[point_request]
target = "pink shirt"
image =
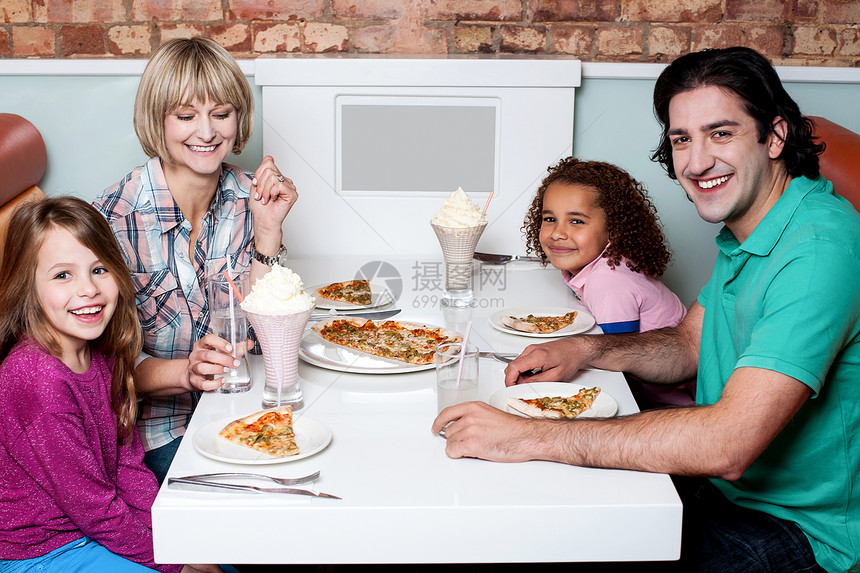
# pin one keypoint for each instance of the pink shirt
(623, 301)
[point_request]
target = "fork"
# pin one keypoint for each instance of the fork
(501, 356)
(283, 481)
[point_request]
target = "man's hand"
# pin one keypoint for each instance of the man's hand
(556, 361)
(478, 430)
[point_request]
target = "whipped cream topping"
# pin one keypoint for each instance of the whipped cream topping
(459, 211)
(280, 291)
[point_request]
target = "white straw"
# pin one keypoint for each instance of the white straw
(463, 353)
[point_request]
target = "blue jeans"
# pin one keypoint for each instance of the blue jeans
(721, 537)
(159, 459)
(80, 556)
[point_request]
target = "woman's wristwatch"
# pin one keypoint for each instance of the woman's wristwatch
(269, 261)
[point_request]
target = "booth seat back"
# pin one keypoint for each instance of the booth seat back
(840, 162)
(23, 159)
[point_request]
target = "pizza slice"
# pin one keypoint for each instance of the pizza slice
(269, 431)
(556, 407)
(539, 324)
(353, 292)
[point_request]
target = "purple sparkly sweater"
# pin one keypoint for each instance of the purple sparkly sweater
(63, 472)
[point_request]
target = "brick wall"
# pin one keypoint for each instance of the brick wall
(790, 32)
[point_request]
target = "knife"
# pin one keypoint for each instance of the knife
(190, 484)
(379, 315)
(502, 259)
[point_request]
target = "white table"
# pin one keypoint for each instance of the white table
(404, 500)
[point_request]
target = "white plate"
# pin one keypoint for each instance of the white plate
(581, 323)
(604, 406)
(311, 437)
(379, 296)
(320, 352)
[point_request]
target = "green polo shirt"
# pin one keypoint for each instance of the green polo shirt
(788, 300)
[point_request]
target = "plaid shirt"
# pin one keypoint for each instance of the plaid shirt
(154, 238)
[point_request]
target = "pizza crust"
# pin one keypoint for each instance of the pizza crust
(517, 324)
(532, 411)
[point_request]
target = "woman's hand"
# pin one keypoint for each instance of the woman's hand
(210, 357)
(272, 197)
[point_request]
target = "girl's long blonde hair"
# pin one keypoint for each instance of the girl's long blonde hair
(21, 313)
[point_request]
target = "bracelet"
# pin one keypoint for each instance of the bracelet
(267, 260)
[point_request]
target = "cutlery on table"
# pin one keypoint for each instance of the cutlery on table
(502, 259)
(378, 315)
(500, 356)
(507, 357)
(201, 485)
(283, 481)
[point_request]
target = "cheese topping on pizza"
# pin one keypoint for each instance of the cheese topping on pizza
(411, 343)
(556, 406)
(353, 292)
(269, 431)
(541, 324)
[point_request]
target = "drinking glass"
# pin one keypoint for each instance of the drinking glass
(228, 321)
(456, 384)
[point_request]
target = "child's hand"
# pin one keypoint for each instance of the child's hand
(210, 358)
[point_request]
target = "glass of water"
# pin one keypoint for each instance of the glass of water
(228, 321)
(456, 374)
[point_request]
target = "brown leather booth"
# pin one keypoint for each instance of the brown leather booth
(840, 162)
(23, 159)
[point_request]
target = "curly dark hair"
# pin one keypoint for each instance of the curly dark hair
(631, 219)
(753, 79)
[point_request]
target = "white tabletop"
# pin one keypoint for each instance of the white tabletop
(404, 500)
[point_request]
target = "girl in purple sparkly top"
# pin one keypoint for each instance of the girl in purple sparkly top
(74, 493)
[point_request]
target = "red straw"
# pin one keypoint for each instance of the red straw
(487, 204)
(233, 286)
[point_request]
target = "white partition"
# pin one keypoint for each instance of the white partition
(376, 143)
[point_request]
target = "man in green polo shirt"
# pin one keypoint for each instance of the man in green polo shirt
(774, 340)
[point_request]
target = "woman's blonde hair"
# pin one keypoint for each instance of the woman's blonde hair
(21, 312)
(178, 73)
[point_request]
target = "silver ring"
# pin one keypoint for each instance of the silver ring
(280, 178)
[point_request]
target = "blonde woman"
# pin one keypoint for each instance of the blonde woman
(186, 212)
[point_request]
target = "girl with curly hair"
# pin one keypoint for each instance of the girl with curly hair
(596, 224)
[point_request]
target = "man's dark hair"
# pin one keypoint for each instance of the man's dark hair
(753, 79)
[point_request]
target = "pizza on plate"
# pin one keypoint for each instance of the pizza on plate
(269, 431)
(556, 407)
(403, 341)
(538, 324)
(353, 292)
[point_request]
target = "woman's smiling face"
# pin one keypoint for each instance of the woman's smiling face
(200, 136)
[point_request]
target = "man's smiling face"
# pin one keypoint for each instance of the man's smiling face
(718, 159)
